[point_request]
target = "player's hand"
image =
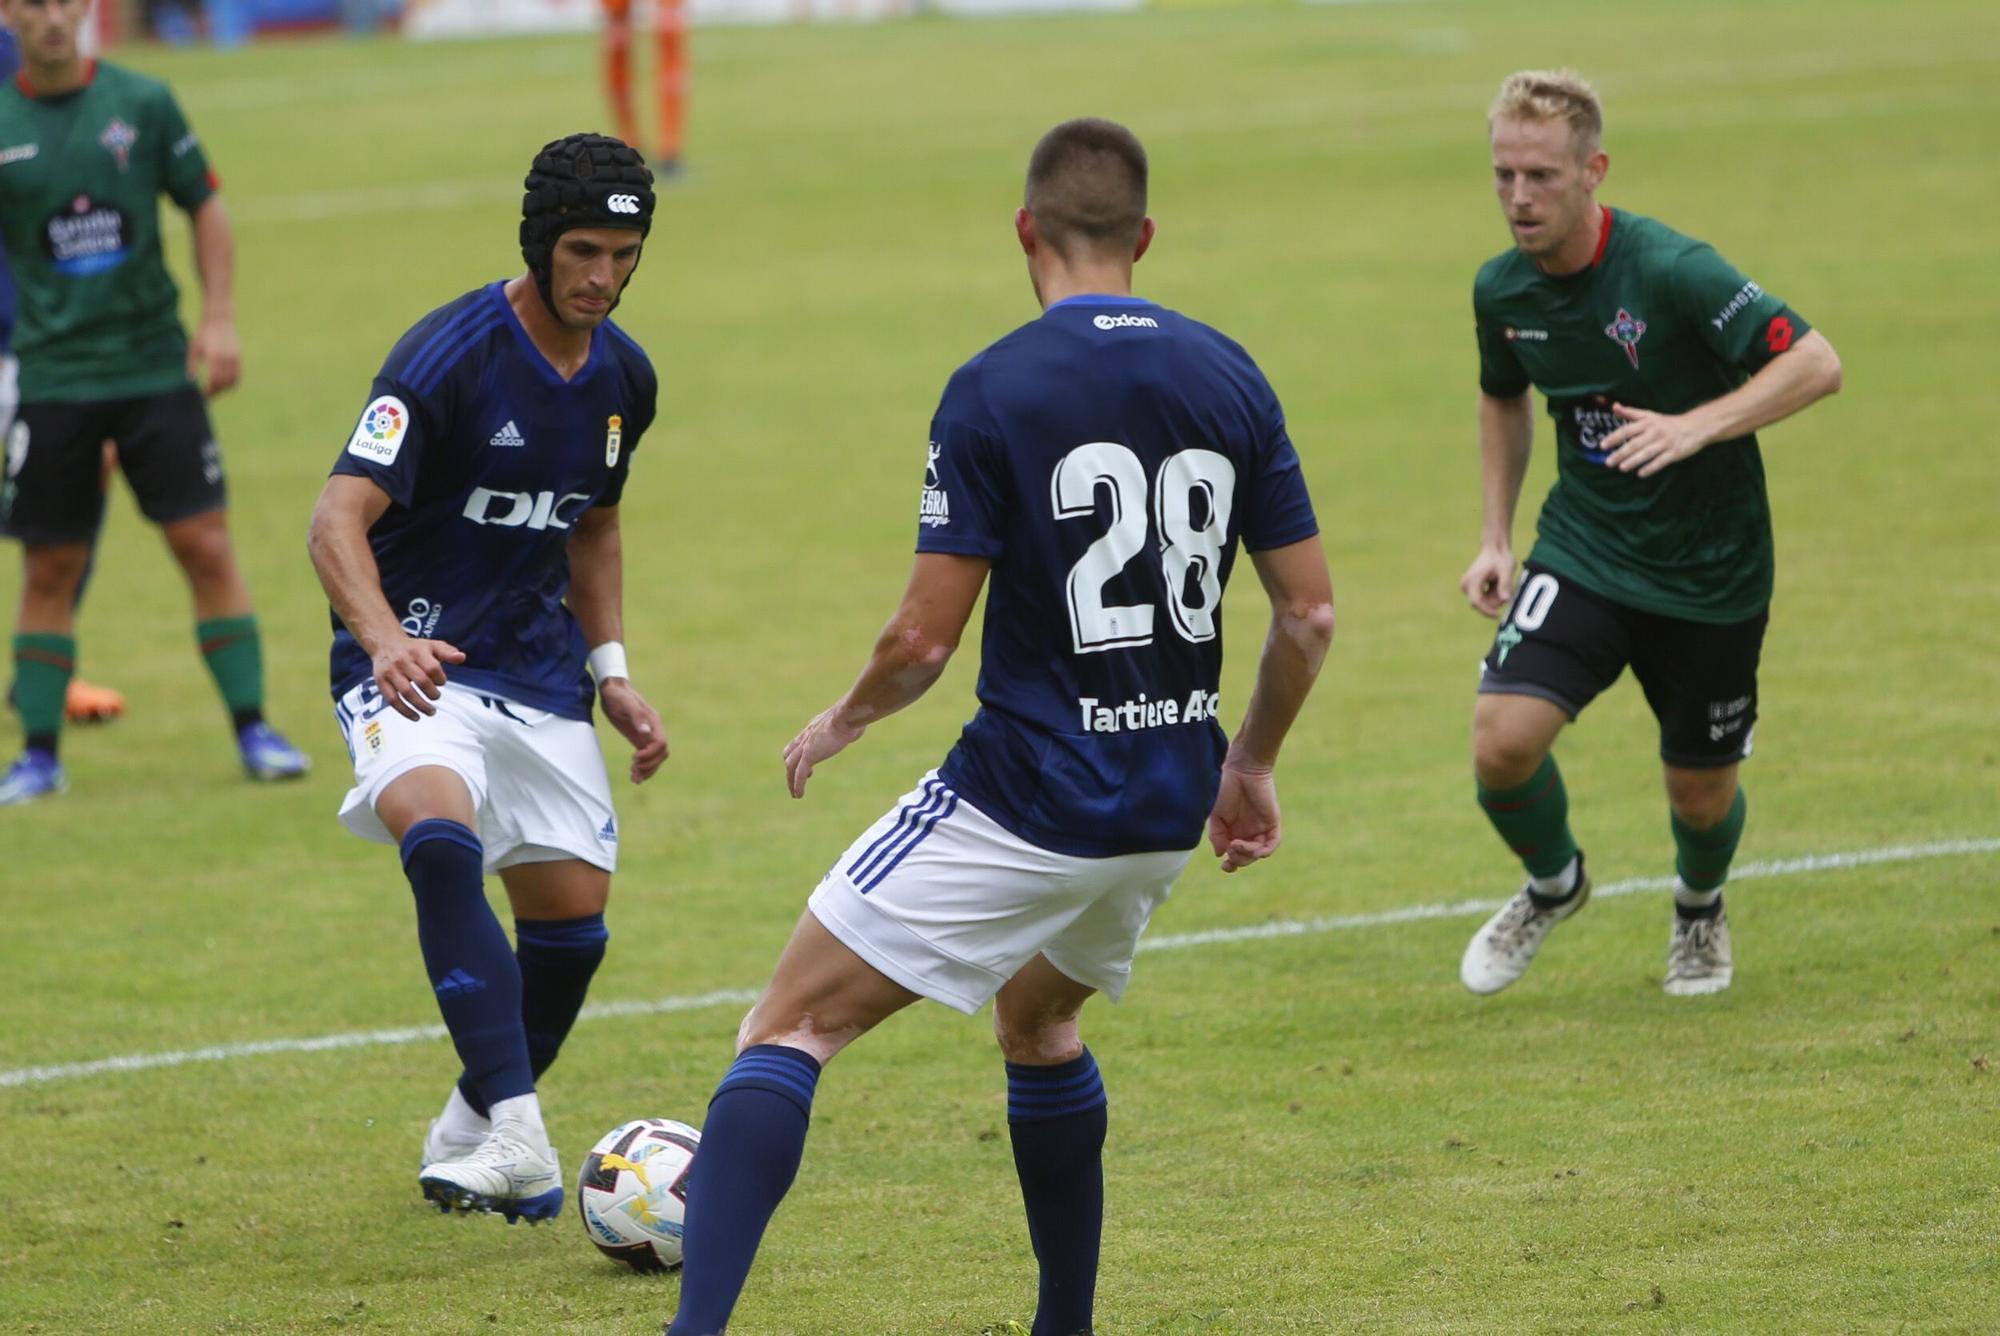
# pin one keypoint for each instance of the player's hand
(409, 672)
(826, 736)
(1650, 441)
(639, 724)
(1488, 582)
(214, 346)
(1243, 826)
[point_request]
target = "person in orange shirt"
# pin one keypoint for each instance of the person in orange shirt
(669, 78)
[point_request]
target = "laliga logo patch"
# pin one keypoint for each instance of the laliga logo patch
(622, 203)
(614, 436)
(379, 434)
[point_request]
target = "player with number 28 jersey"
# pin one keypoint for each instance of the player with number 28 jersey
(1107, 457)
(1100, 464)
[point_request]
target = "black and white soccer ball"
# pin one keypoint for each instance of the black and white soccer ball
(632, 1192)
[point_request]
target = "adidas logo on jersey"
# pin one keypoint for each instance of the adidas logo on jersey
(1125, 322)
(509, 435)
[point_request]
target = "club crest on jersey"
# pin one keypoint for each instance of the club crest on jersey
(614, 437)
(118, 138)
(1626, 331)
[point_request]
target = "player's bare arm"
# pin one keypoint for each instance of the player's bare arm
(214, 345)
(1244, 825)
(596, 598)
(1506, 438)
(1803, 374)
(408, 671)
(909, 656)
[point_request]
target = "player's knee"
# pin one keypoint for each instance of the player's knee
(1035, 1039)
(1502, 759)
(1701, 799)
(54, 572)
(202, 547)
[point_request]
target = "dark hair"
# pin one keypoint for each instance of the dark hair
(1087, 186)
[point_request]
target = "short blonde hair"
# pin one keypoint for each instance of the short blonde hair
(1547, 95)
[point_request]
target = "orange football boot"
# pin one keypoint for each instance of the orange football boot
(87, 703)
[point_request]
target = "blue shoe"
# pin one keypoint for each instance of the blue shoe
(266, 754)
(34, 774)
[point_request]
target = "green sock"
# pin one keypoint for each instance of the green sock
(1534, 820)
(1701, 857)
(235, 656)
(43, 665)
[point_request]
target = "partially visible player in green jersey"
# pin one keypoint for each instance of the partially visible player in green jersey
(86, 150)
(1659, 363)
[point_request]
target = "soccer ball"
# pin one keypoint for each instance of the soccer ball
(632, 1192)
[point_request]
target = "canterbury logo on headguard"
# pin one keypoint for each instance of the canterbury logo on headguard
(622, 203)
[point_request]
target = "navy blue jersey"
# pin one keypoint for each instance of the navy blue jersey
(489, 458)
(1106, 458)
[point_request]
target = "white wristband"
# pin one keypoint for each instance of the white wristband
(608, 660)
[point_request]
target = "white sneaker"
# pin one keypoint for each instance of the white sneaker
(1698, 957)
(1501, 951)
(504, 1175)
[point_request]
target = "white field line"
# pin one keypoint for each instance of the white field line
(1781, 867)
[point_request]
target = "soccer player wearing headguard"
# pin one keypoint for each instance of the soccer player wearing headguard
(468, 541)
(1101, 463)
(1660, 363)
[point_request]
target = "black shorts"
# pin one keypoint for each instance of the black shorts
(1566, 644)
(54, 483)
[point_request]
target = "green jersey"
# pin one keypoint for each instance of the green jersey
(80, 179)
(1657, 321)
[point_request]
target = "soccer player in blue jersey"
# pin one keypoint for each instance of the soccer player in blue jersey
(1101, 463)
(469, 543)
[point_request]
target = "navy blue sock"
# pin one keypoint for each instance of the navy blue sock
(1056, 1119)
(750, 1149)
(557, 959)
(471, 969)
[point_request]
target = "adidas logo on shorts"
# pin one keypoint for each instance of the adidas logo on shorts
(509, 435)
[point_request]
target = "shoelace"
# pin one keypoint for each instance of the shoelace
(1511, 933)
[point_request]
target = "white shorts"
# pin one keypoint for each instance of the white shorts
(950, 904)
(537, 779)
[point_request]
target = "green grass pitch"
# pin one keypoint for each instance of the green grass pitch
(1311, 1133)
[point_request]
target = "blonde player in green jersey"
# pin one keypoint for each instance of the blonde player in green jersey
(1659, 362)
(86, 150)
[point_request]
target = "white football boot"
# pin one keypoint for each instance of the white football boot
(505, 1176)
(1698, 956)
(1501, 951)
